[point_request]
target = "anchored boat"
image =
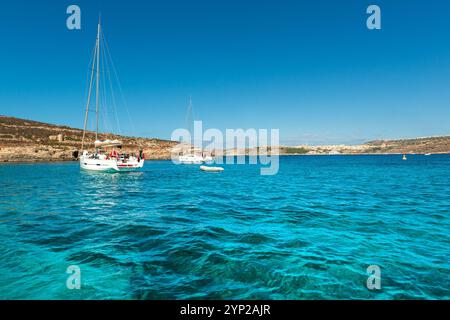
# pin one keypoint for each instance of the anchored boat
(191, 159)
(112, 161)
(192, 155)
(107, 155)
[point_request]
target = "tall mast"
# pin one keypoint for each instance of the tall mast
(98, 80)
(88, 102)
(190, 128)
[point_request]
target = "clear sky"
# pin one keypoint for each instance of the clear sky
(310, 68)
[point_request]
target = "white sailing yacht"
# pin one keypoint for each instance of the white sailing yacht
(106, 157)
(192, 159)
(194, 155)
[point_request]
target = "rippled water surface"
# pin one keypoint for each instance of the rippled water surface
(174, 231)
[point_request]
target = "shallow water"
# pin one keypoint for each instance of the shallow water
(173, 231)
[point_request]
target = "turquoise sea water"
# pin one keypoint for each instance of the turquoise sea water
(173, 231)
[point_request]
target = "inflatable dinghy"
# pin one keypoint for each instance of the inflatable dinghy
(212, 169)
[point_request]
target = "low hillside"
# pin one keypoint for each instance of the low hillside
(418, 145)
(26, 140)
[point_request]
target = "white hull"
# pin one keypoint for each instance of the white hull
(110, 165)
(191, 159)
(130, 166)
(190, 162)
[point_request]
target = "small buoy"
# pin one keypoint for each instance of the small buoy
(213, 169)
(404, 156)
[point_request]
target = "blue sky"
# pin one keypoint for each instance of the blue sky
(310, 68)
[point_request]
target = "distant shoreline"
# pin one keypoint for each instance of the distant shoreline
(364, 154)
(31, 141)
(6, 162)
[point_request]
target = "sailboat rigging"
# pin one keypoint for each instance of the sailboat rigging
(193, 156)
(106, 156)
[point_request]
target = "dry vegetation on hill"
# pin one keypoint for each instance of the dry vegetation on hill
(418, 145)
(26, 140)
